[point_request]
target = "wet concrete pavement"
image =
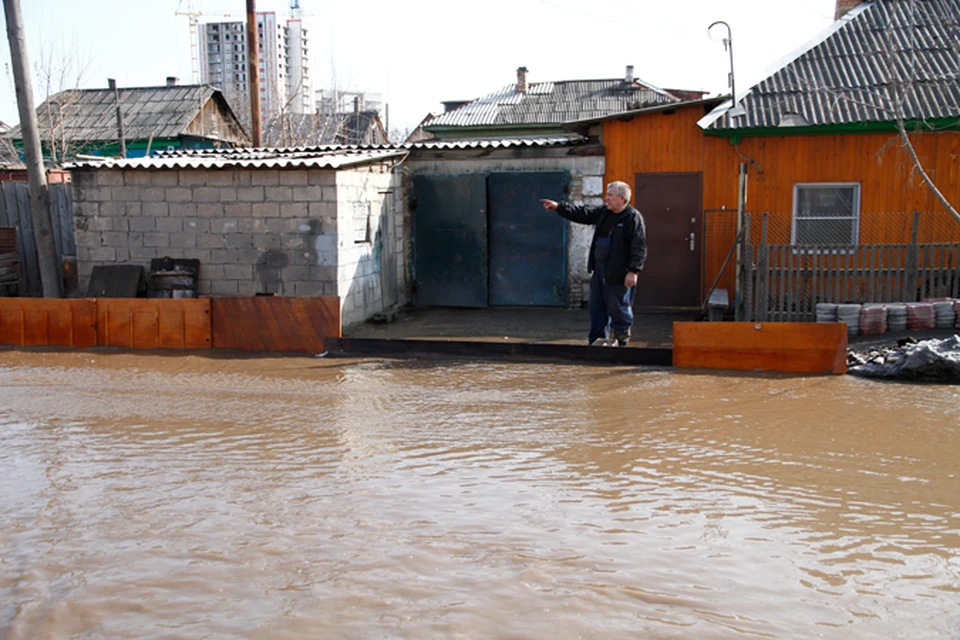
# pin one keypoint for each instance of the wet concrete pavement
(528, 325)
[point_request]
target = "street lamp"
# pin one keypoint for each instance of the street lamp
(736, 110)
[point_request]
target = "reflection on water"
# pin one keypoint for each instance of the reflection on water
(168, 497)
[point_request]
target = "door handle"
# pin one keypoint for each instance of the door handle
(692, 239)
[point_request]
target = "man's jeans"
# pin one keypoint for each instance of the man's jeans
(610, 302)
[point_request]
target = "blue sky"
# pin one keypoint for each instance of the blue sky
(417, 53)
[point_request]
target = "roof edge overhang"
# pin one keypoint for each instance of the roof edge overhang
(485, 129)
(911, 126)
(195, 162)
(626, 115)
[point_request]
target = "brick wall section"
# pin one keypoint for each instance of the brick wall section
(253, 230)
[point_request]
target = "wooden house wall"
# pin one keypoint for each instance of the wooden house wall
(890, 187)
(211, 122)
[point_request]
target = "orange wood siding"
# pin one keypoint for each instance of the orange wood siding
(36, 322)
(797, 347)
(890, 186)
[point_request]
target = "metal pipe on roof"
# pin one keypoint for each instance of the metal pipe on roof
(116, 99)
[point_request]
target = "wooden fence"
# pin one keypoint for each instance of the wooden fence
(15, 212)
(784, 283)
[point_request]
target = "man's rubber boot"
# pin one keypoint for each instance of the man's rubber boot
(622, 336)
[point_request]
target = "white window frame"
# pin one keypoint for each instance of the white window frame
(854, 218)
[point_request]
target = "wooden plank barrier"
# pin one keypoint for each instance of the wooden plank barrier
(275, 323)
(154, 323)
(796, 347)
(46, 322)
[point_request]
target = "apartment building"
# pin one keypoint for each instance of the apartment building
(284, 62)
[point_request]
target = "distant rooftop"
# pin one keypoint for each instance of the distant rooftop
(90, 115)
(546, 103)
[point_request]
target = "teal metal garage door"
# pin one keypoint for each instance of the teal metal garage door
(528, 253)
(450, 240)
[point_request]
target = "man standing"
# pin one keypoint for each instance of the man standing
(617, 254)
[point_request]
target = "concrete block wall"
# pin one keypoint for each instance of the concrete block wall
(586, 187)
(253, 230)
(370, 266)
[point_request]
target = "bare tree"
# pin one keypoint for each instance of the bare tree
(60, 73)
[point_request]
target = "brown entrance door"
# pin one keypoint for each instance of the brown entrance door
(671, 207)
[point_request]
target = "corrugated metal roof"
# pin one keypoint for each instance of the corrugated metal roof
(552, 103)
(292, 158)
(501, 143)
(885, 58)
(316, 157)
(90, 115)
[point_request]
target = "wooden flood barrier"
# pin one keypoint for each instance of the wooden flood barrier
(249, 324)
(795, 347)
(144, 323)
(42, 322)
(275, 323)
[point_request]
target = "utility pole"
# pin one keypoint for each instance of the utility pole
(253, 72)
(36, 174)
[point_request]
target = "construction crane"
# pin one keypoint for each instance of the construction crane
(193, 19)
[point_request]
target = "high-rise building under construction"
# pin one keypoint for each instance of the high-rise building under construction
(284, 63)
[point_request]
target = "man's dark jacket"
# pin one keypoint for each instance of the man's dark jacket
(628, 240)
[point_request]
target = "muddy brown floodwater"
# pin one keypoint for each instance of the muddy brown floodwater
(155, 496)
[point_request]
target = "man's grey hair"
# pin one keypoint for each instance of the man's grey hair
(621, 189)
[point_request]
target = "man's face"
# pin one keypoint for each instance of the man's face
(615, 202)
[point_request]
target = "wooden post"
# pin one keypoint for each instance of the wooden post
(36, 174)
(116, 99)
(253, 72)
(746, 268)
(741, 206)
(912, 267)
(763, 271)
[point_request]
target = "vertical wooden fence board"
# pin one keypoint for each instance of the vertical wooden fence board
(275, 323)
(29, 258)
(146, 323)
(48, 322)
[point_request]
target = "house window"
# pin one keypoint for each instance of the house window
(826, 213)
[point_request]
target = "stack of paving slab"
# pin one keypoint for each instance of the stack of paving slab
(920, 316)
(850, 314)
(944, 316)
(875, 318)
(896, 317)
(826, 312)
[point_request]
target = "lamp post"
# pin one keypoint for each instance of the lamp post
(734, 112)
